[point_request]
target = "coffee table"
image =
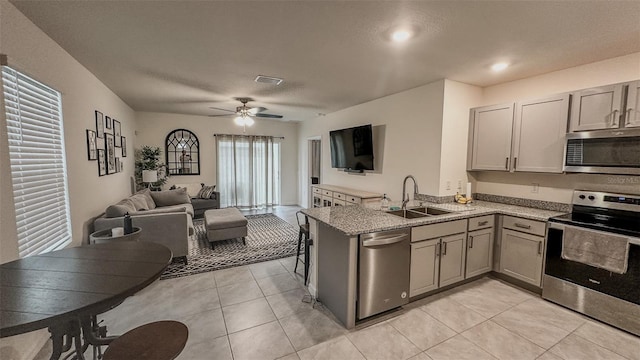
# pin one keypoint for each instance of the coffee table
(64, 290)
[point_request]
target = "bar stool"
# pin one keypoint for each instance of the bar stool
(160, 340)
(303, 233)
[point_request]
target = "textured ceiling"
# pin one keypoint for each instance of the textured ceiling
(184, 56)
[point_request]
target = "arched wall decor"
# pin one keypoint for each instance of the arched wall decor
(182, 150)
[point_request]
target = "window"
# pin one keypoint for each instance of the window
(183, 153)
(248, 171)
(38, 165)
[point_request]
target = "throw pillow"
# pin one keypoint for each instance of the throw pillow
(120, 209)
(206, 191)
(147, 195)
(171, 197)
(139, 201)
(192, 188)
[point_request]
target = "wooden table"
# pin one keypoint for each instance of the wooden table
(64, 290)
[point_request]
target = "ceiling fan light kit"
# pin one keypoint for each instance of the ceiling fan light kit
(244, 113)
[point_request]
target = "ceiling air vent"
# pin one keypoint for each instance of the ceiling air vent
(268, 80)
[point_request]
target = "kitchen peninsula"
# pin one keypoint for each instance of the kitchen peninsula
(472, 252)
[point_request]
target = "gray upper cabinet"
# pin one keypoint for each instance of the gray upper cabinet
(490, 137)
(540, 129)
(596, 108)
(632, 111)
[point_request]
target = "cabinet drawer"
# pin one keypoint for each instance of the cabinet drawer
(338, 202)
(524, 225)
(481, 222)
(340, 196)
(425, 232)
(353, 199)
(327, 193)
(316, 190)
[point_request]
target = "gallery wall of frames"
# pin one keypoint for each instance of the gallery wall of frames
(103, 142)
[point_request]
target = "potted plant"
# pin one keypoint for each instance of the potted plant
(148, 158)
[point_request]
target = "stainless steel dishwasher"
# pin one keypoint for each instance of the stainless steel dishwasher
(383, 271)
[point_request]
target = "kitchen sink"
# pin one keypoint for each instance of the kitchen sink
(420, 212)
(408, 214)
(430, 211)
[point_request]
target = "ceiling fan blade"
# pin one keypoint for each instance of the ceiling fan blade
(220, 115)
(215, 108)
(257, 109)
(268, 116)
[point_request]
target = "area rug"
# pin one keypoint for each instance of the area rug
(268, 238)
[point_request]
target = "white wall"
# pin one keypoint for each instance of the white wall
(31, 51)
(458, 99)
(153, 128)
(559, 187)
(411, 122)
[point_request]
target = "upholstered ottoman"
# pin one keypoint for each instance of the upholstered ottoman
(223, 224)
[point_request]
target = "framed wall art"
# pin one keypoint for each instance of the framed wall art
(99, 124)
(117, 133)
(102, 163)
(124, 146)
(110, 150)
(92, 145)
(118, 165)
(107, 122)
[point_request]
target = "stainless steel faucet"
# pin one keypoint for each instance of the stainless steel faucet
(404, 190)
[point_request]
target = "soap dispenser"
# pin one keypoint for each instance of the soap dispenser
(384, 203)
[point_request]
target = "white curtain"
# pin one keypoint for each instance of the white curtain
(248, 171)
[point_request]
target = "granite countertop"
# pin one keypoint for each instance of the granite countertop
(356, 219)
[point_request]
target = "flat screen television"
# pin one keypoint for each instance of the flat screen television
(352, 148)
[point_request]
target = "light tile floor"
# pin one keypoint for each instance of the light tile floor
(257, 312)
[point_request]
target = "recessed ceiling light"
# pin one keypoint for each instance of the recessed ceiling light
(401, 35)
(499, 66)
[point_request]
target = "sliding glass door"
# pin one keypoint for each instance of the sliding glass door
(248, 171)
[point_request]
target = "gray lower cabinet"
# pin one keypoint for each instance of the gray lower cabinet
(425, 266)
(437, 256)
(521, 256)
(479, 252)
(452, 259)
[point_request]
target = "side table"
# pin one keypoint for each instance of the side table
(103, 236)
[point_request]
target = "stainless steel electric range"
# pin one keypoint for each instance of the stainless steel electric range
(610, 296)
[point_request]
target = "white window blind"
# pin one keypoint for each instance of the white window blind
(38, 165)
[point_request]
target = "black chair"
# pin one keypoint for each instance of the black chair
(303, 234)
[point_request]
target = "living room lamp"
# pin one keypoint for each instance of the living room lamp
(149, 177)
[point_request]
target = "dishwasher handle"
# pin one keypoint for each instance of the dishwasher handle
(385, 240)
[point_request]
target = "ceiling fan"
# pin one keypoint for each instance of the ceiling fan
(244, 113)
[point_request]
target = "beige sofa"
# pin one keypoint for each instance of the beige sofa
(165, 217)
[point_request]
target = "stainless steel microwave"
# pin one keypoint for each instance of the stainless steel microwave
(605, 152)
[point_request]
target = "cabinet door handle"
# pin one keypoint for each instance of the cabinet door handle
(470, 242)
(540, 248)
(522, 226)
(444, 248)
(483, 223)
(614, 122)
(506, 163)
(437, 249)
(627, 120)
(515, 161)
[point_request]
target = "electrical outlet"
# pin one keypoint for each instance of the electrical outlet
(535, 187)
(460, 184)
(448, 185)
